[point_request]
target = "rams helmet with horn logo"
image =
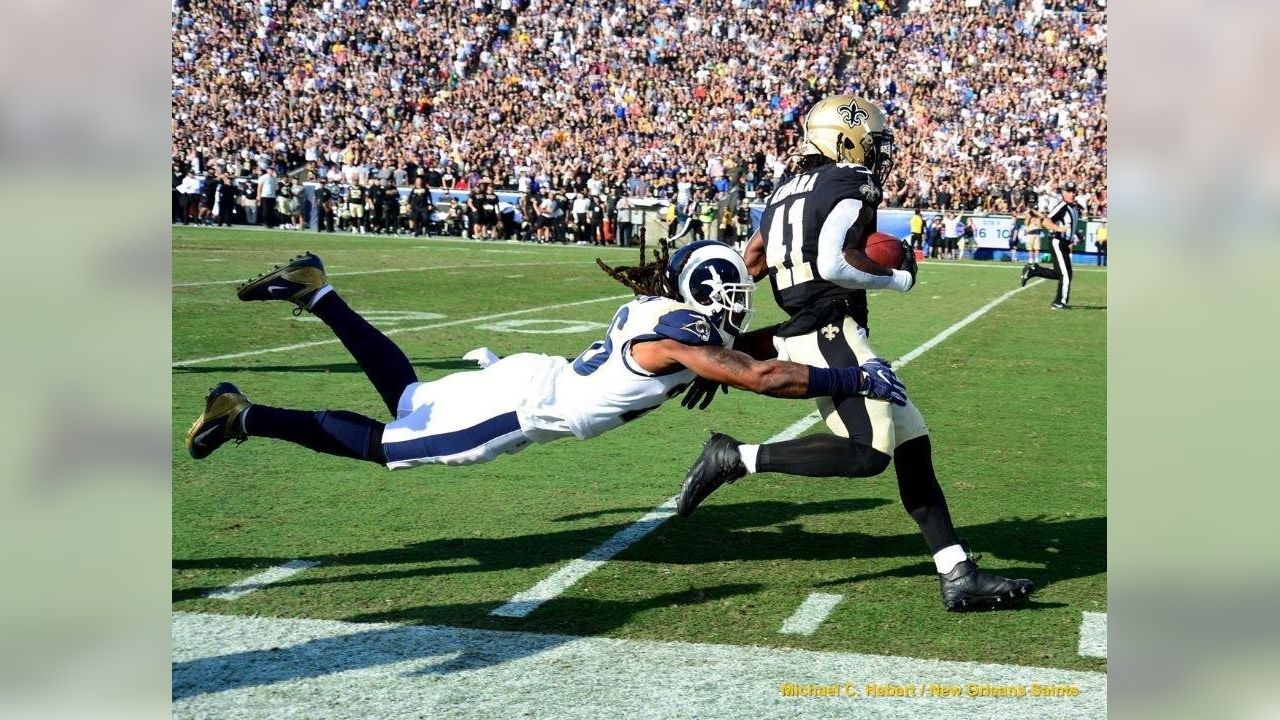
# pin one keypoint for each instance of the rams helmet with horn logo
(847, 128)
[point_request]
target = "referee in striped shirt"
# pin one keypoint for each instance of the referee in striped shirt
(1063, 223)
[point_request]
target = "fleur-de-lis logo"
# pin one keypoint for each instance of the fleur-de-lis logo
(830, 332)
(852, 114)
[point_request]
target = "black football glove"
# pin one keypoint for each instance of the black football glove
(701, 392)
(908, 263)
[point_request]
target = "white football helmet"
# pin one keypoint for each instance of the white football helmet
(713, 278)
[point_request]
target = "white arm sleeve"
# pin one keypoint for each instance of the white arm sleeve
(831, 263)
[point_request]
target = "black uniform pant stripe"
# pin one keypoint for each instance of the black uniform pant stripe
(1061, 269)
(852, 409)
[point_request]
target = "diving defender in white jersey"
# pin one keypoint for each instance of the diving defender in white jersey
(688, 309)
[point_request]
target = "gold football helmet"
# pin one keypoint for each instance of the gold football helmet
(847, 128)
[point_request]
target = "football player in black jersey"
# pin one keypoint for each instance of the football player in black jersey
(810, 247)
(483, 205)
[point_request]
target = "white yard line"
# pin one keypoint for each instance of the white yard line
(797, 428)
(526, 602)
(810, 614)
(396, 331)
(235, 591)
(959, 325)
(564, 578)
(559, 581)
(237, 667)
(1093, 635)
(396, 270)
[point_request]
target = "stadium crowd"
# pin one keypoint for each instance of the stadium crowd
(991, 99)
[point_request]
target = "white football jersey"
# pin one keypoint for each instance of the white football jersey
(603, 387)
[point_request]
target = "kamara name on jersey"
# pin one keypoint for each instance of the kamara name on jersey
(798, 184)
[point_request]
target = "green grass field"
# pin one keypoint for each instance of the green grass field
(1016, 403)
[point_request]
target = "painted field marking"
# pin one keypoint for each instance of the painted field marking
(226, 666)
(810, 614)
(959, 325)
(796, 429)
(1093, 635)
(526, 602)
(380, 271)
(237, 590)
(334, 341)
(544, 327)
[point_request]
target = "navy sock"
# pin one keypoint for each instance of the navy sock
(382, 361)
(333, 432)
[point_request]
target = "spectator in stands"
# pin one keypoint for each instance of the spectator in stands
(571, 96)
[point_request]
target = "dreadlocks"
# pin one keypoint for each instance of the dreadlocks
(798, 164)
(647, 278)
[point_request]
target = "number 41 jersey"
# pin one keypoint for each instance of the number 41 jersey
(604, 387)
(795, 224)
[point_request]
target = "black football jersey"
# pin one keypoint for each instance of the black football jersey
(790, 227)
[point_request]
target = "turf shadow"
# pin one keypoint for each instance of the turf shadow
(1047, 549)
(482, 554)
(383, 645)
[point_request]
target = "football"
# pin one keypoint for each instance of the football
(884, 249)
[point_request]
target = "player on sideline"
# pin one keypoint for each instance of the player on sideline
(690, 306)
(810, 245)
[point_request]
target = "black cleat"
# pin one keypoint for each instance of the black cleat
(219, 422)
(297, 281)
(1060, 306)
(718, 464)
(1026, 274)
(968, 588)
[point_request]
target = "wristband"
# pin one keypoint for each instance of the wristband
(834, 382)
(902, 281)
